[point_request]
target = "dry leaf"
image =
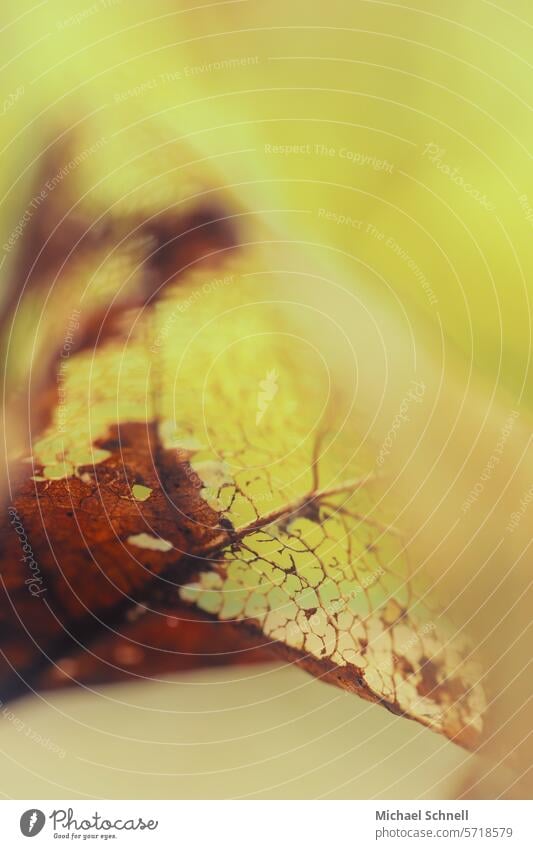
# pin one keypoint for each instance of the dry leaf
(200, 468)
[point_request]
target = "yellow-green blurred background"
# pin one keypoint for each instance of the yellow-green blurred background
(374, 83)
(379, 79)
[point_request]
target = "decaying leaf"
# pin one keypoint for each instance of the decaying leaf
(199, 492)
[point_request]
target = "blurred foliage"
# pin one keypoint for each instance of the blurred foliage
(379, 79)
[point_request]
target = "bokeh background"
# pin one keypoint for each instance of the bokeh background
(392, 140)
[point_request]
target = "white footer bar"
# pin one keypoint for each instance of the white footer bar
(266, 824)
